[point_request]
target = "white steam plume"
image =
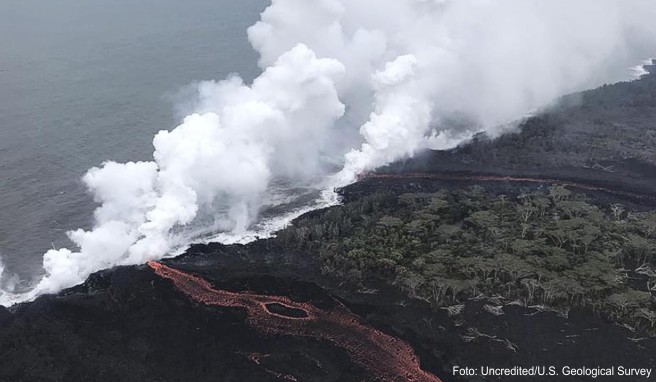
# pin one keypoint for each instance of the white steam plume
(350, 85)
(2, 274)
(222, 158)
(639, 71)
(421, 61)
(7, 282)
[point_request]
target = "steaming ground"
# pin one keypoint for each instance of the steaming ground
(351, 85)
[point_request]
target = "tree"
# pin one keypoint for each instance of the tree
(618, 211)
(525, 212)
(410, 282)
(559, 193)
(575, 208)
(639, 250)
(485, 220)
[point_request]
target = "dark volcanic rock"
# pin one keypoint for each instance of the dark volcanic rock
(5, 315)
(605, 137)
(137, 327)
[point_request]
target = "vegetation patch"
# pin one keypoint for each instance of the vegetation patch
(550, 248)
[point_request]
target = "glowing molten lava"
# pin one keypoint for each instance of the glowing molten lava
(385, 357)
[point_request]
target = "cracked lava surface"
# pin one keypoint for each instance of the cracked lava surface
(385, 357)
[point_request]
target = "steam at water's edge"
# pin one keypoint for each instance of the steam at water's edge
(356, 84)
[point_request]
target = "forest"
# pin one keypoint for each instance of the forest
(547, 248)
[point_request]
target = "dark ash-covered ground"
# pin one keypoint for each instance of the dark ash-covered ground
(129, 324)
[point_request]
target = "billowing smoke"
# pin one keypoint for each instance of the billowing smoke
(347, 86)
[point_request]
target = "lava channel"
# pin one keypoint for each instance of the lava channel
(491, 178)
(385, 357)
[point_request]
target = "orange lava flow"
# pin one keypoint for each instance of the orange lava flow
(385, 357)
(484, 178)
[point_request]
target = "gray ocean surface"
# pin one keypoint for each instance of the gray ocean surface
(84, 81)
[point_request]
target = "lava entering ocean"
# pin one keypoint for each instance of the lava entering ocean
(385, 357)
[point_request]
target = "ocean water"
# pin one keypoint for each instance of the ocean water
(84, 81)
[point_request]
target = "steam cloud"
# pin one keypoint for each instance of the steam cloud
(347, 86)
(7, 282)
(2, 272)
